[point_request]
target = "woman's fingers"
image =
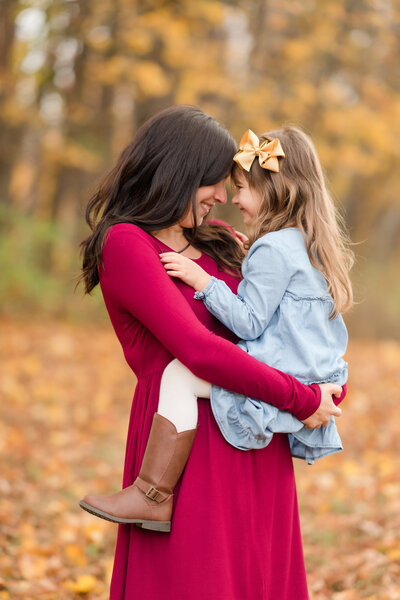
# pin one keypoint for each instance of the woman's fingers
(327, 408)
(337, 391)
(333, 389)
(327, 391)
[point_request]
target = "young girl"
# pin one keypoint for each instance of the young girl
(286, 312)
(295, 285)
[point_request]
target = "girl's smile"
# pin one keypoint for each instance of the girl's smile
(246, 199)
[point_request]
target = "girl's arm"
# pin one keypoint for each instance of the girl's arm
(135, 279)
(247, 313)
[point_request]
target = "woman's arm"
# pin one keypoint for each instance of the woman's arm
(136, 280)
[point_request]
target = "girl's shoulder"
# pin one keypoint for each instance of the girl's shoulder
(284, 236)
(283, 241)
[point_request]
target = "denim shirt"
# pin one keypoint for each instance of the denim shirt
(281, 313)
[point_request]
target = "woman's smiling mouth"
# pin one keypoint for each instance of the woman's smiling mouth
(206, 207)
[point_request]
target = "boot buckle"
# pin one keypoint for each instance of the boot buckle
(153, 493)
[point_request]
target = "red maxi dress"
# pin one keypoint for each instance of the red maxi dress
(235, 531)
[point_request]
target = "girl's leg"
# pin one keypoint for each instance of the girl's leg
(179, 391)
(148, 501)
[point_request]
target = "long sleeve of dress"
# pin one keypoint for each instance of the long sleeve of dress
(259, 294)
(136, 280)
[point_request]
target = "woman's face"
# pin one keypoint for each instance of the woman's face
(206, 197)
(246, 199)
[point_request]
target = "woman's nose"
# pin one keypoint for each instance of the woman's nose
(220, 193)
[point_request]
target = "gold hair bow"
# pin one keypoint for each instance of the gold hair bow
(267, 153)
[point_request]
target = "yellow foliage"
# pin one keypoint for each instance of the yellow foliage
(350, 468)
(109, 570)
(157, 20)
(194, 86)
(113, 70)
(305, 93)
(150, 78)
(32, 566)
(297, 51)
(75, 554)
(82, 585)
(212, 12)
(349, 501)
(175, 29)
(16, 115)
(94, 532)
(139, 41)
(334, 11)
(22, 178)
(74, 155)
(394, 554)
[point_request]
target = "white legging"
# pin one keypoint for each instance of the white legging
(179, 391)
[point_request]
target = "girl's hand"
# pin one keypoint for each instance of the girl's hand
(186, 269)
(241, 238)
(326, 408)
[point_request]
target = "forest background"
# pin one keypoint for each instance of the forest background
(77, 79)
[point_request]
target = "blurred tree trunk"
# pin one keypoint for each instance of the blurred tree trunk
(8, 132)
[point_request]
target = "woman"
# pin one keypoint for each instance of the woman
(236, 535)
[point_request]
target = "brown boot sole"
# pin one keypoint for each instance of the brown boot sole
(142, 523)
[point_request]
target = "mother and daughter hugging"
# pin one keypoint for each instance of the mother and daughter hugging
(166, 272)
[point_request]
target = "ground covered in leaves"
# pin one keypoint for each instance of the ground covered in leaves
(65, 398)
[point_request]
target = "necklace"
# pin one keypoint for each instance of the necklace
(183, 249)
(177, 251)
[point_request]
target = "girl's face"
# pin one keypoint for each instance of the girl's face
(247, 199)
(206, 197)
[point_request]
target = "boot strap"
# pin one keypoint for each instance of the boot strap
(150, 491)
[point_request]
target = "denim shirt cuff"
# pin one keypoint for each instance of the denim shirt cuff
(207, 290)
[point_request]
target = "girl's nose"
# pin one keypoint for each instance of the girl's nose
(220, 193)
(235, 199)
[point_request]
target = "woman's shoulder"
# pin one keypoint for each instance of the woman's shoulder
(123, 230)
(127, 235)
(129, 228)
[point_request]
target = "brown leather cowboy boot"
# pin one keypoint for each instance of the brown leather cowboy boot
(148, 501)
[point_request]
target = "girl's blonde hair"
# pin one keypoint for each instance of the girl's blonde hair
(297, 197)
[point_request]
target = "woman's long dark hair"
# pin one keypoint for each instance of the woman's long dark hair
(156, 179)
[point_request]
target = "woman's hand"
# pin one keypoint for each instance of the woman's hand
(186, 269)
(241, 238)
(326, 408)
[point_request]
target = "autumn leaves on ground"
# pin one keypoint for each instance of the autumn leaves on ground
(65, 400)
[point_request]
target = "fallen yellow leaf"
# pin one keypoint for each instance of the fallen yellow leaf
(83, 584)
